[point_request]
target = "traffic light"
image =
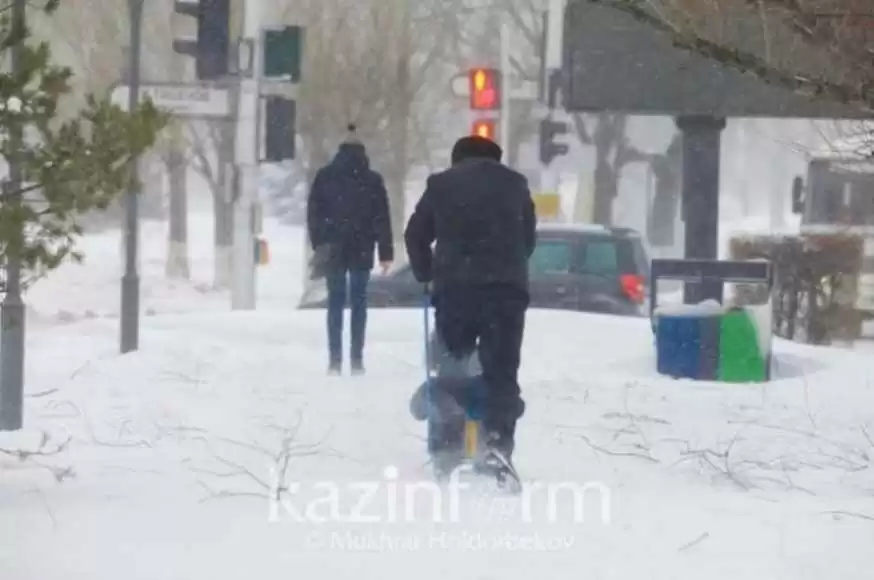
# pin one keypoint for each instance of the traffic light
(549, 148)
(484, 128)
(283, 51)
(280, 129)
(485, 89)
(211, 45)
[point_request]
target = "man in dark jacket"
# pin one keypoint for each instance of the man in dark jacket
(481, 215)
(347, 214)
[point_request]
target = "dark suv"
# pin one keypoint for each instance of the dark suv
(590, 269)
(574, 267)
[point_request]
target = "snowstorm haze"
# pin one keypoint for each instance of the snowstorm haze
(354, 51)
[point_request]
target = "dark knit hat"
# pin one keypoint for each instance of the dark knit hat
(475, 147)
(351, 135)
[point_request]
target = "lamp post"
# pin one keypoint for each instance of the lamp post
(130, 281)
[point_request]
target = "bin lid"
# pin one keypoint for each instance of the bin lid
(704, 309)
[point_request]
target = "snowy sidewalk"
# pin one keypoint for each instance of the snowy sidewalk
(174, 449)
(169, 456)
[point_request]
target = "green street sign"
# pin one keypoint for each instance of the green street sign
(283, 52)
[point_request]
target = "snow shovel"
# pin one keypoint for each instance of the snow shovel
(447, 400)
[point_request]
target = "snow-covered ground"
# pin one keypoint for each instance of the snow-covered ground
(173, 450)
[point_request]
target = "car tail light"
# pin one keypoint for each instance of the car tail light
(632, 287)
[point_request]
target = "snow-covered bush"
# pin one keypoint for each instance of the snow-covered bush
(815, 283)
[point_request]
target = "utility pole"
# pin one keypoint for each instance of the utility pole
(506, 86)
(130, 281)
(247, 149)
(12, 309)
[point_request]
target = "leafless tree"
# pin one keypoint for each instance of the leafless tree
(211, 149)
(92, 36)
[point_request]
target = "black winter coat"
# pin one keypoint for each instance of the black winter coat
(348, 211)
(481, 215)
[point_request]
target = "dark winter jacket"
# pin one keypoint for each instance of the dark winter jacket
(348, 211)
(481, 215)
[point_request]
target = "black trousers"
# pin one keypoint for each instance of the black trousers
(490, 319)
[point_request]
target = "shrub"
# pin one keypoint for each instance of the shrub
(815, 278)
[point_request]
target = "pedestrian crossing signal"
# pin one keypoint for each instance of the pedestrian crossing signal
(484, 128)
(485, 89)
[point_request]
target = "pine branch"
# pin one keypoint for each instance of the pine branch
(6, 196)
(48, 7)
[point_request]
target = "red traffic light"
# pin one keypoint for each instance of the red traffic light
(485, 89)
(484, 128)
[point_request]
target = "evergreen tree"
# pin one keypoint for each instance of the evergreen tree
(68, 166)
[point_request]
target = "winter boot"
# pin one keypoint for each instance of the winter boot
(497, 463)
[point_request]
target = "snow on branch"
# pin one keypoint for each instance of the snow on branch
(30, 456)
(750, 449)
(275, 484)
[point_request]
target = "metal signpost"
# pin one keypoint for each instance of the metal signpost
(246, 155)
(130, 281)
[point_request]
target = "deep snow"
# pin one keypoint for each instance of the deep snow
(172, 447)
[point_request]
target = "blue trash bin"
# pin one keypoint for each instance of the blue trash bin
(687, 344)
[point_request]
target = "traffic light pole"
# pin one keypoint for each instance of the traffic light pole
(549, 179)
(504, 122)
(246, 156)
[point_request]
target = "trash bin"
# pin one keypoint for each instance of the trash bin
(742, 356)
(711, 341)
(687, 341)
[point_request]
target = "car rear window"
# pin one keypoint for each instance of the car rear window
(550, 257)
(599, 257)
(641, 259)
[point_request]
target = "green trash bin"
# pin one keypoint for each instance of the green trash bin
(742, 356)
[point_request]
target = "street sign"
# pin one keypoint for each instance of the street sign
(184, 100)
(520, 90)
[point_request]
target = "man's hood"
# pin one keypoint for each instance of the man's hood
(352, 156)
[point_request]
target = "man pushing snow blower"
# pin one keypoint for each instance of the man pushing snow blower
(481, 215)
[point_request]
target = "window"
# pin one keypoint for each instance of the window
(550, 257)
(641, 259)
(600, 257)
